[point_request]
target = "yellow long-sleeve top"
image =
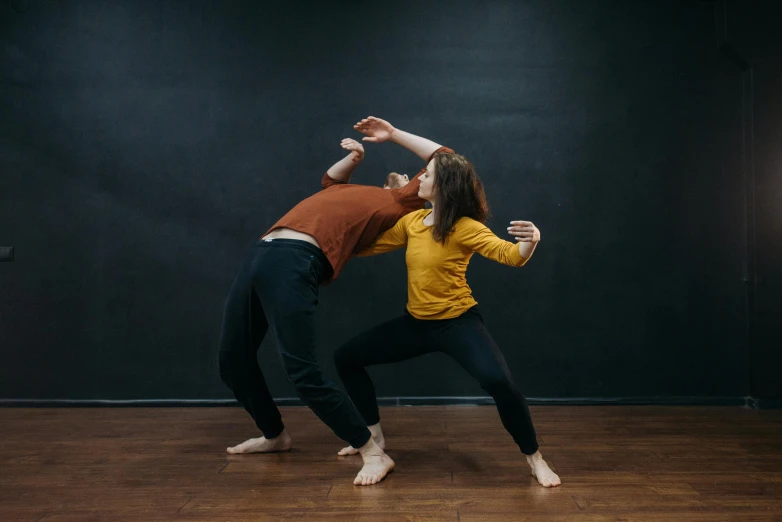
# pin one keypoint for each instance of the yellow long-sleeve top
(436, 273)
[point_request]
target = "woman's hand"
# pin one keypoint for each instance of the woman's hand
(356, 149)
(376, 130)
(524, 231)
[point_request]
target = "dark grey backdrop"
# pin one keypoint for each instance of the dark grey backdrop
(144, 146)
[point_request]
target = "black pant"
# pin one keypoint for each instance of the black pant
(464, 338)
(277, 289)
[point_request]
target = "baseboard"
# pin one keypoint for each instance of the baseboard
(764, 404)
(410, 401)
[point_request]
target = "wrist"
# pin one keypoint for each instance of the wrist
(394, 135)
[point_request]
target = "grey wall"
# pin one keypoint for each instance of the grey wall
(145, 146)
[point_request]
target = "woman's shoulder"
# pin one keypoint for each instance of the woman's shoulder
(468, 224)
(466, 229)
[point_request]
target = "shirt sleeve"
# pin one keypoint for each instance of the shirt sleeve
(408, 195)
(328, 181)
(478, 238)
(392, 239)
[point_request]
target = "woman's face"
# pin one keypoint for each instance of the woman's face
(426, 186)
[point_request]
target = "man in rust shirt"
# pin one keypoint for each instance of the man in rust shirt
(277, 290)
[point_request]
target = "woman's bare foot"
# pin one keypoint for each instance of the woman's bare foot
(282, 442)
(541, 471)
(377, 436)
(376, 465)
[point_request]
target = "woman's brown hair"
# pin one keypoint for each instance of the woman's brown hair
(459, 193)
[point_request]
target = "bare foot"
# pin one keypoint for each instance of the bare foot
(377, 436)
(541, 471)
(282, 442)
(376, 465)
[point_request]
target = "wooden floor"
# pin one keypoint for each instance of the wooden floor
(453, 463)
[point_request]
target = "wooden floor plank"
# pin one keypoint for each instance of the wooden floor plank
(454, 463)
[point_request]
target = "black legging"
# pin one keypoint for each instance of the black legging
(276, 290)
(464, 338)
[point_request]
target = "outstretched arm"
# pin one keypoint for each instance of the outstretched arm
(342, 170)
(478, 238)
(378, 131)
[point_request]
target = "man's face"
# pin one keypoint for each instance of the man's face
(396, 180)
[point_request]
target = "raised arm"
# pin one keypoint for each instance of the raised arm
(378, 131)
(342, 170)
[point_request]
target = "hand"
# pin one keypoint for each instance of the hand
(524, 231)
(356, 149)
(377, 130)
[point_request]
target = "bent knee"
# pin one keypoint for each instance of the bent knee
(497, 384)
(302, 374)
(310, 386)
(228, 367)
(342, 358)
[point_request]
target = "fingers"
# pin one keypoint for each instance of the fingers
(522, 227)
(524, 231)
(364, 124)
(367, 123)
(353, 145)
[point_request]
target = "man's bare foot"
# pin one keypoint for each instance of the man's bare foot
(541, 471)
(282, 442)
(377, 436)
(376, 465)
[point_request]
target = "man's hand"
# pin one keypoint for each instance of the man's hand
(342, 169)
(524, 231)
(376, 130)
(356, 149)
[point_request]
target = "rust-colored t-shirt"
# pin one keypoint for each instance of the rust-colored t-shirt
(345, 218)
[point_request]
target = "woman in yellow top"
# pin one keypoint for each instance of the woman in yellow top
(442, 315)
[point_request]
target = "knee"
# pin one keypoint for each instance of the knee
(308, 384)
(497, 384)
(342, 359)
(301, 374)
(228, 368)
(349, 358)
